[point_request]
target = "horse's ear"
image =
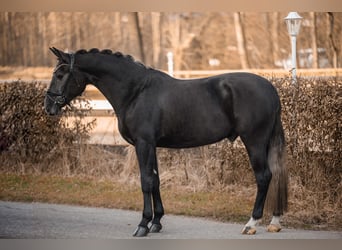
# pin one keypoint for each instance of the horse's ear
(54, 51)
(60, 54)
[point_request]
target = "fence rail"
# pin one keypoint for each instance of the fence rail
(266, 72)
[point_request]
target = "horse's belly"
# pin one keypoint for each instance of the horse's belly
(167, 143)
(194, 136)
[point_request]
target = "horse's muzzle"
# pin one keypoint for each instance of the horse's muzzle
(51, 107)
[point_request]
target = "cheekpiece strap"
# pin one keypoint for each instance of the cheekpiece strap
(72, 61)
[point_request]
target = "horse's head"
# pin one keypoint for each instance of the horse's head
(67, 83)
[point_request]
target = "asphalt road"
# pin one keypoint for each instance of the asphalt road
(50, 221)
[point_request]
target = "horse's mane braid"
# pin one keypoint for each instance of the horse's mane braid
(110, 52)
(81, 51)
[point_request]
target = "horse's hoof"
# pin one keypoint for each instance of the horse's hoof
(272, 228)
(248, 230)
(141, 231)
(155, 228)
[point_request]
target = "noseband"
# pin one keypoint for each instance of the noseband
(59, 98)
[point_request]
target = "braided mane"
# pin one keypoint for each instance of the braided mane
(110, 52)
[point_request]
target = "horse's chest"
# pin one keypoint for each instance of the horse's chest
(125, 131)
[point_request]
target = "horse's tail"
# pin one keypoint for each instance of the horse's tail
(276, 200)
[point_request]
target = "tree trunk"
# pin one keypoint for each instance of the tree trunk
(156, 38)
(313, 33)
(4, 34)
(43, 38)
(174, 32)
(76, 42)
(133, 42)
(140, 37)
(32, 40)
(116, 34)
(332, 41)
(241, 40)
(274, 29)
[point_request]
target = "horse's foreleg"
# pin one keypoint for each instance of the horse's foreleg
(146, 154)
(157, 203)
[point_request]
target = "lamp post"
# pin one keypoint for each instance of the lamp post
(293, 21)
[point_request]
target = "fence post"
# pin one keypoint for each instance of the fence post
(169, 56)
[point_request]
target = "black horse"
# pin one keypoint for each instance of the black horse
(156, 110)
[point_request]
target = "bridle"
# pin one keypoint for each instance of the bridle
(60, 98)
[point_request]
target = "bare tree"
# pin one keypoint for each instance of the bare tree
(313, 34)
(133, 41)
(274, 31)
(241, 40)
(180, 33)
(156, 38)
(332, 39)
(42, 23)
(193, 37)
(140, 38)
(178, 40)
(5, 32)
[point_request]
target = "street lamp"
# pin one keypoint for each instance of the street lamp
(293, 21)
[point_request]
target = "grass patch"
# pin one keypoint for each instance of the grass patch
(68, 190)
(223, 206)
(231, 204)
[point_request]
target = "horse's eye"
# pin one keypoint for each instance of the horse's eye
(59, 76)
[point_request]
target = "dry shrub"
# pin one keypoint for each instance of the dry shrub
(30, 140)
(312, 114)
(211, 167)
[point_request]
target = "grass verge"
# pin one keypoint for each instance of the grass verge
(224, 206)
(233, 204)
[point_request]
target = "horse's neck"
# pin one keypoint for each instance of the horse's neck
(117, 90)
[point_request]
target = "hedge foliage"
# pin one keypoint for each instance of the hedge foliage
(27, 133)
(311, 116)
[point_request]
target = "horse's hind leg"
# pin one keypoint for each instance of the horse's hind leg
(274, 226)
(258, 158)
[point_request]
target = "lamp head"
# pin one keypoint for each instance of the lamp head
(293, 21)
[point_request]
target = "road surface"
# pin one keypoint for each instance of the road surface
(50, 221)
